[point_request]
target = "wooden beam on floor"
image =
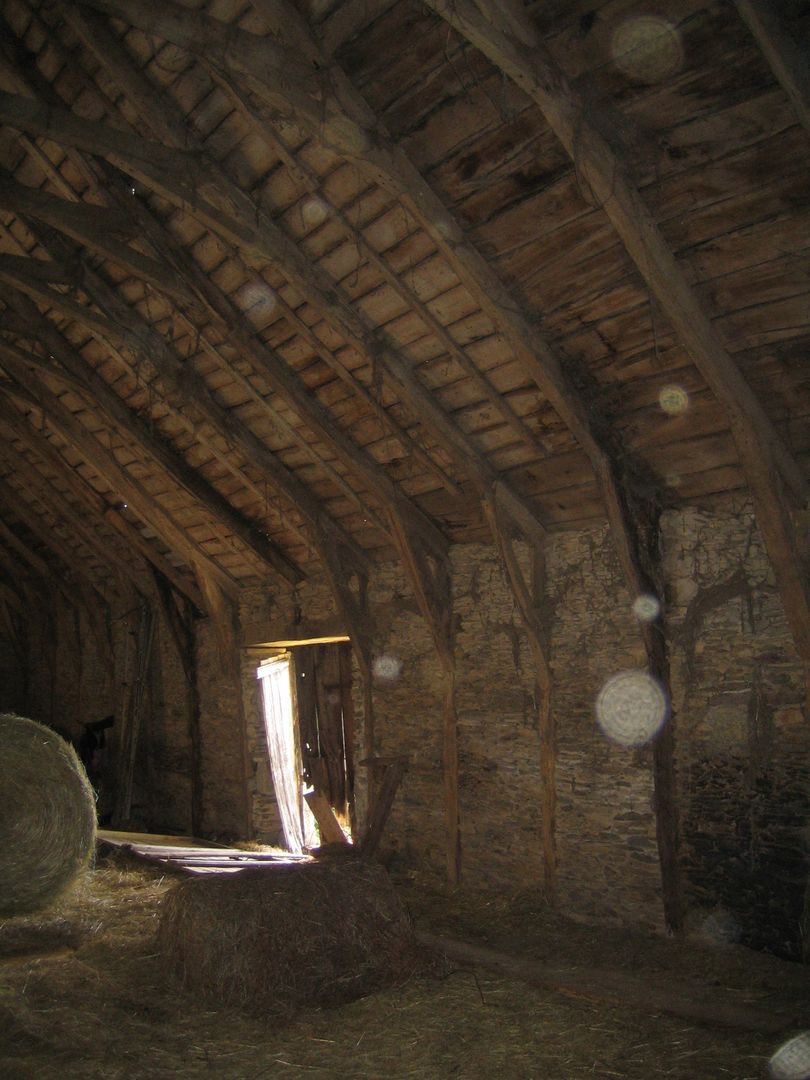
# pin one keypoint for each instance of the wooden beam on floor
(707, 1005)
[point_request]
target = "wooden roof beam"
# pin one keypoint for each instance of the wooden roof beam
(534, 70)
(11, 498)
(120, 323)
(168, 122)
(79, 524)
(74, 220)
(109, 334)
(361, 139)
(140, 430)
(322, 101)
(339, 557)
(121, 482)
(251, 229)
(95, 504)
(773, 475)
(788, 61)
(412, 531)
(309, 180)
(17, 355)
(23, 266)
(284, 380)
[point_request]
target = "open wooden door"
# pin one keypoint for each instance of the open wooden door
(323, 685)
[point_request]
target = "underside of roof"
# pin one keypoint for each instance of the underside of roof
(287, 287)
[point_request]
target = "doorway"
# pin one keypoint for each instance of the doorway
(283, 750)
(309, 725)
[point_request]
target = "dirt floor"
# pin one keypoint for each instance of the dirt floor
(83, 995)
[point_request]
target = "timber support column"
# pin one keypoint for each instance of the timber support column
(428, 567)
(528, 599)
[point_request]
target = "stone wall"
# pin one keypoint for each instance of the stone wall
(223, 759)
(742, 747)
(605, 819)
(744, 751)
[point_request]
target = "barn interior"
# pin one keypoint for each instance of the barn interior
(404, 457)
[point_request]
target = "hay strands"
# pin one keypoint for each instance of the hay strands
(47, 816)
(615, 987)
(321, 933)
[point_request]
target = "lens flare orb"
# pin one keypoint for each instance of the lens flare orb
(647, 48)
(792, 1060)
(386, 669)
(646, 607)
(631, 708)
(674, 400)
(314, 211)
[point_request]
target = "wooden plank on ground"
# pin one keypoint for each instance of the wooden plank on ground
(704, 1004)
(328, 824)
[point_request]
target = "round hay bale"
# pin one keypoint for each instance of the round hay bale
(271, 939)
(47, 815)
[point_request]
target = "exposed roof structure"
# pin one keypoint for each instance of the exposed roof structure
(293, 287)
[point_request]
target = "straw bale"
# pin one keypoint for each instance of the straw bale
(319, 933)
(47, 815)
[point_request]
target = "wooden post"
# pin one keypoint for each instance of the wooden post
(528, 601)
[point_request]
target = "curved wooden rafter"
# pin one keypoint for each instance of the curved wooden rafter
(93, 504)
(778, 485)
(83, 378)
(320, 99)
